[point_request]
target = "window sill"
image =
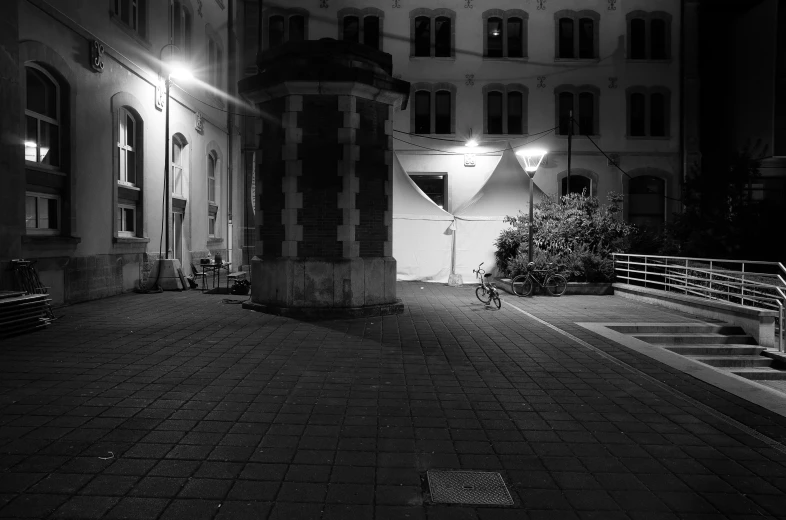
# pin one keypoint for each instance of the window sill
(438, 58)
(131, 240)
(505, 58)
(214, 241)
(648, 137)
(51, 240)
(29, 165)
(577, 60)
(579, 136)
(129, 31)
(647, 60)
(444, 136)
(504, 136)
(128, 186)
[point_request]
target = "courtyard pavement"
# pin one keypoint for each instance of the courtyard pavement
(181, 406)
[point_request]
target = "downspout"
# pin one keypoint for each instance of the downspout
(231, 88)
(683, 157)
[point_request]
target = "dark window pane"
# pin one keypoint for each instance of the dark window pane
(276, 31)
(30, 211)
(31, 139)
(494, 108)
(586, 113)
(124, 10)
(515, 113)
(41, 93)
(433, 186)
(638, 39)
(515, 38)
(52, 213)
(131, 166)
(422, 36)
(351, 29)
(494, 38)
(578, 184)
(637, 114)
(371, 31)
(177, 25)
(658, 45)
(442, 37)
(422, 112)
(586, 38)
(49, 143)
(442, 112)
(566, 38)
(297, 29)
(658, 115)
(565, 106)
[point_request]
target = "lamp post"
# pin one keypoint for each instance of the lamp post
(532, 159)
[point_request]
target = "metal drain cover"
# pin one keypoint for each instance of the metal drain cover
(468, 487)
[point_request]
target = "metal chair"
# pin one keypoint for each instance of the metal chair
(196, 274)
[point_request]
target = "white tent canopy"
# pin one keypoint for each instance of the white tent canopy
(422, 231)
(481, 219)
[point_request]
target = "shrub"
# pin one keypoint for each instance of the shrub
(574, 230)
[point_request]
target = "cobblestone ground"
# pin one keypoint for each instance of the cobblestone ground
(176, 405)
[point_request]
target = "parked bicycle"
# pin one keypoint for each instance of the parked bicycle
(486, 291)
(549, 278)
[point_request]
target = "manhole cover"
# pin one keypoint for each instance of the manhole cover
(468, 487)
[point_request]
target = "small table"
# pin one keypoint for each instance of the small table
(216, 270)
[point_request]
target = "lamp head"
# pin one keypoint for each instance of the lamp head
(532, 158)
(178, 71)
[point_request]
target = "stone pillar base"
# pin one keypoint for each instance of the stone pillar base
(350, 287)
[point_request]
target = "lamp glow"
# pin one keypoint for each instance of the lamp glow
(472, 143)
(31, 144)
(180, 72)
(532, 158)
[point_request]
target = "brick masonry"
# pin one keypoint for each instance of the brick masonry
(270, 176)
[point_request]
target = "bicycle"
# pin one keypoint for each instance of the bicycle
(486, 291)
(555, 283)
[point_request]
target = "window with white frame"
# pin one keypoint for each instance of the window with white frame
(126, 220)
(434, 110)
(583, 102)
(180, 29)
(214, 62)
(505, 33)
(649, 35)
(648, 110)
(361, 26)
(286, 25)
(178, 160)
(132, 13)
(42, 116)
(505, 107)
(212, 161)
(211, 225)
(577, 34)
(42, 213)
(127, 163)
(432, 33)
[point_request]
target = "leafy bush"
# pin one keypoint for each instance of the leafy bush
(574, 230)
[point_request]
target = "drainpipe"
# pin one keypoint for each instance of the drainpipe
(231, 88)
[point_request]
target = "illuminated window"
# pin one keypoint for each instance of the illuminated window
(42, 115)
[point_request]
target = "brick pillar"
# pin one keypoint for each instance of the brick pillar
(324, 215)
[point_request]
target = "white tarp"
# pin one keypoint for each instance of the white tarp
(481, 219)
(422, 232)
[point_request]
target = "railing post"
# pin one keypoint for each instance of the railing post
(711, 273)
(742, 285)
(645, 271)
(685, 274)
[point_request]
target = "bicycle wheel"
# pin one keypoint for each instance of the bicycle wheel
(483, 295)
(556, 285)
(522, 285)
(496, 300)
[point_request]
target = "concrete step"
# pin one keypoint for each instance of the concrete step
(717, 350)
(734, 361)
(695, 339)
(661, 328)
(760, 373)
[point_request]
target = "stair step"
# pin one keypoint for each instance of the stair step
(695, 339)
(717, 350)
(660, 328)
(760, 373)
(734, 361)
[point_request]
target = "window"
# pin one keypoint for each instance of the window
(214, 57)
(286, 25)
(434, 186)
(126, 220)
(361, 26)
(42, 115)
(126, 173)
(180, 31)
(432, 33)
(577, 34)
(648, 110)
(42, 213)
(211, 225)
(434, 108)
(578, 184)
(178, 152)
(583, 101)
(211, 177)
(132, 13)
(649, 35)
(505, 33)
(647, 206)
(505, 109)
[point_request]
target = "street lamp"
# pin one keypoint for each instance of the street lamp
(176, 71)
(532, 159)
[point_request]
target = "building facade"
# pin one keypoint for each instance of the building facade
(509, 73)
(83, 154)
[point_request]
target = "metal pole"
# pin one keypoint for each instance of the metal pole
(570, 139)
(531, 189)
(167, 191)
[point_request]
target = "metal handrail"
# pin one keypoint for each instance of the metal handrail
(674, 273)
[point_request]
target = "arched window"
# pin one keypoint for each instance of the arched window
(586, 113)
(495, 112)
(297, 28)
(215, 61)
(586, 38)
(638, 39)
(566, 38)
(442, 112)
(180, 31)
(515, 28)
(648, 35)
(133, 14)
(371, 31)
(275, 31)
(515, 112)
(565, 102)
(578, 184)
(351, 29)
(178, 163)
(423, 36)
(647, 207)
(442, 37)
(659, 40)
(648, 112)
(657, 114)
(42, 116)
(494, 34)
(577, 34)
(212, 159)
(127, 144)
(422, 112)
(638, 118)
